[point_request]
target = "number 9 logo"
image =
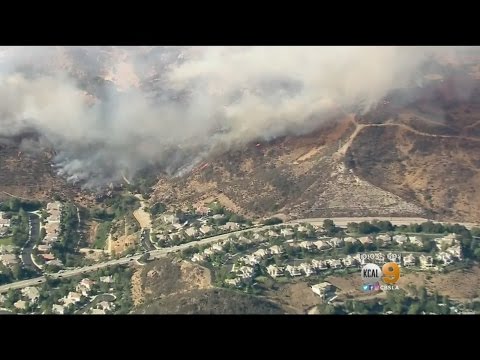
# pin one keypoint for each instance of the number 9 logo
(391, 273)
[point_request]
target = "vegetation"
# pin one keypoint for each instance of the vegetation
(272, 221)
(399, 302)
(330, 228)
(15, 204)
(158, 208)
(69, 235)
(6, 240)
(101, 235)
(20, 228)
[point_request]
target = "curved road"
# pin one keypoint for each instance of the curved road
(26, 251)
(163, 252)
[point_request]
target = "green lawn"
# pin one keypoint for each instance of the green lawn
(102, 234)
(6, 241)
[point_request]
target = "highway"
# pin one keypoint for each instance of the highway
(163, 252)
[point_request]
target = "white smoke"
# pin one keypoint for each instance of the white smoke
(171, 106)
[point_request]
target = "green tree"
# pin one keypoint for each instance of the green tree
(414, 309)
(272, 221)
(475, 231)
(366, 228)
(329, 227)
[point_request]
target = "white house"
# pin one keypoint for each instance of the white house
(191, 231)
(250, 260)
(293, 270)
(85, 286)
(366, 240)
(97, 312)
(246, 272)
(199, 257)
(445, 257)
(287, 232)
(4, 222)
(234, 282)
(9, 259)
(336, 242)
(319, 264)
(426, 261)
(231, 226)
(261, 253)
(349, 261)
(55, 262)
(31, 293)
(74, 296)
(415, 240)
(350, 240)
(400, 239)
(309, 245)
(205, 229)
(217, 247)
(258, 237)
(274, 271)
(446, 241)
(171, 219)
(321, 245)
(105, 305)
(456, 251)
(409, 260)
(43, 248)
(334, 263)
(323, 289)
(106, 279)
(276, 249)
(384, 239)
(20, 304)
(272, 233)
(302, 228)
(307, 268)
(58, 309)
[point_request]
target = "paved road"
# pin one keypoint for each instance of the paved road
(26, 252)
(125, 260)
(163, 252)
(343, 221)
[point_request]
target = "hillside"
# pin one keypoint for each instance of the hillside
(26, 172)
(299, 176)
(419, 156)
(415, 154)
(166, 287)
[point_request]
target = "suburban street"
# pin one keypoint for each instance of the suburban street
(26, 252)
(163, 252)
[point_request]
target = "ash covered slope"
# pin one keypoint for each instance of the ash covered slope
(417, 153)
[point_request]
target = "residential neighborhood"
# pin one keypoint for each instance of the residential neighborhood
(247, 255)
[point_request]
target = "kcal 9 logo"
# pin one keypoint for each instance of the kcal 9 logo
(391, 273)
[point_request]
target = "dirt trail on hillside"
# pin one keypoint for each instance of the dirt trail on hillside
(359, 127)
(143, 217)
(137, 291)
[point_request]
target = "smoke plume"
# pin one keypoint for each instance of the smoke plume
(111, 111)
